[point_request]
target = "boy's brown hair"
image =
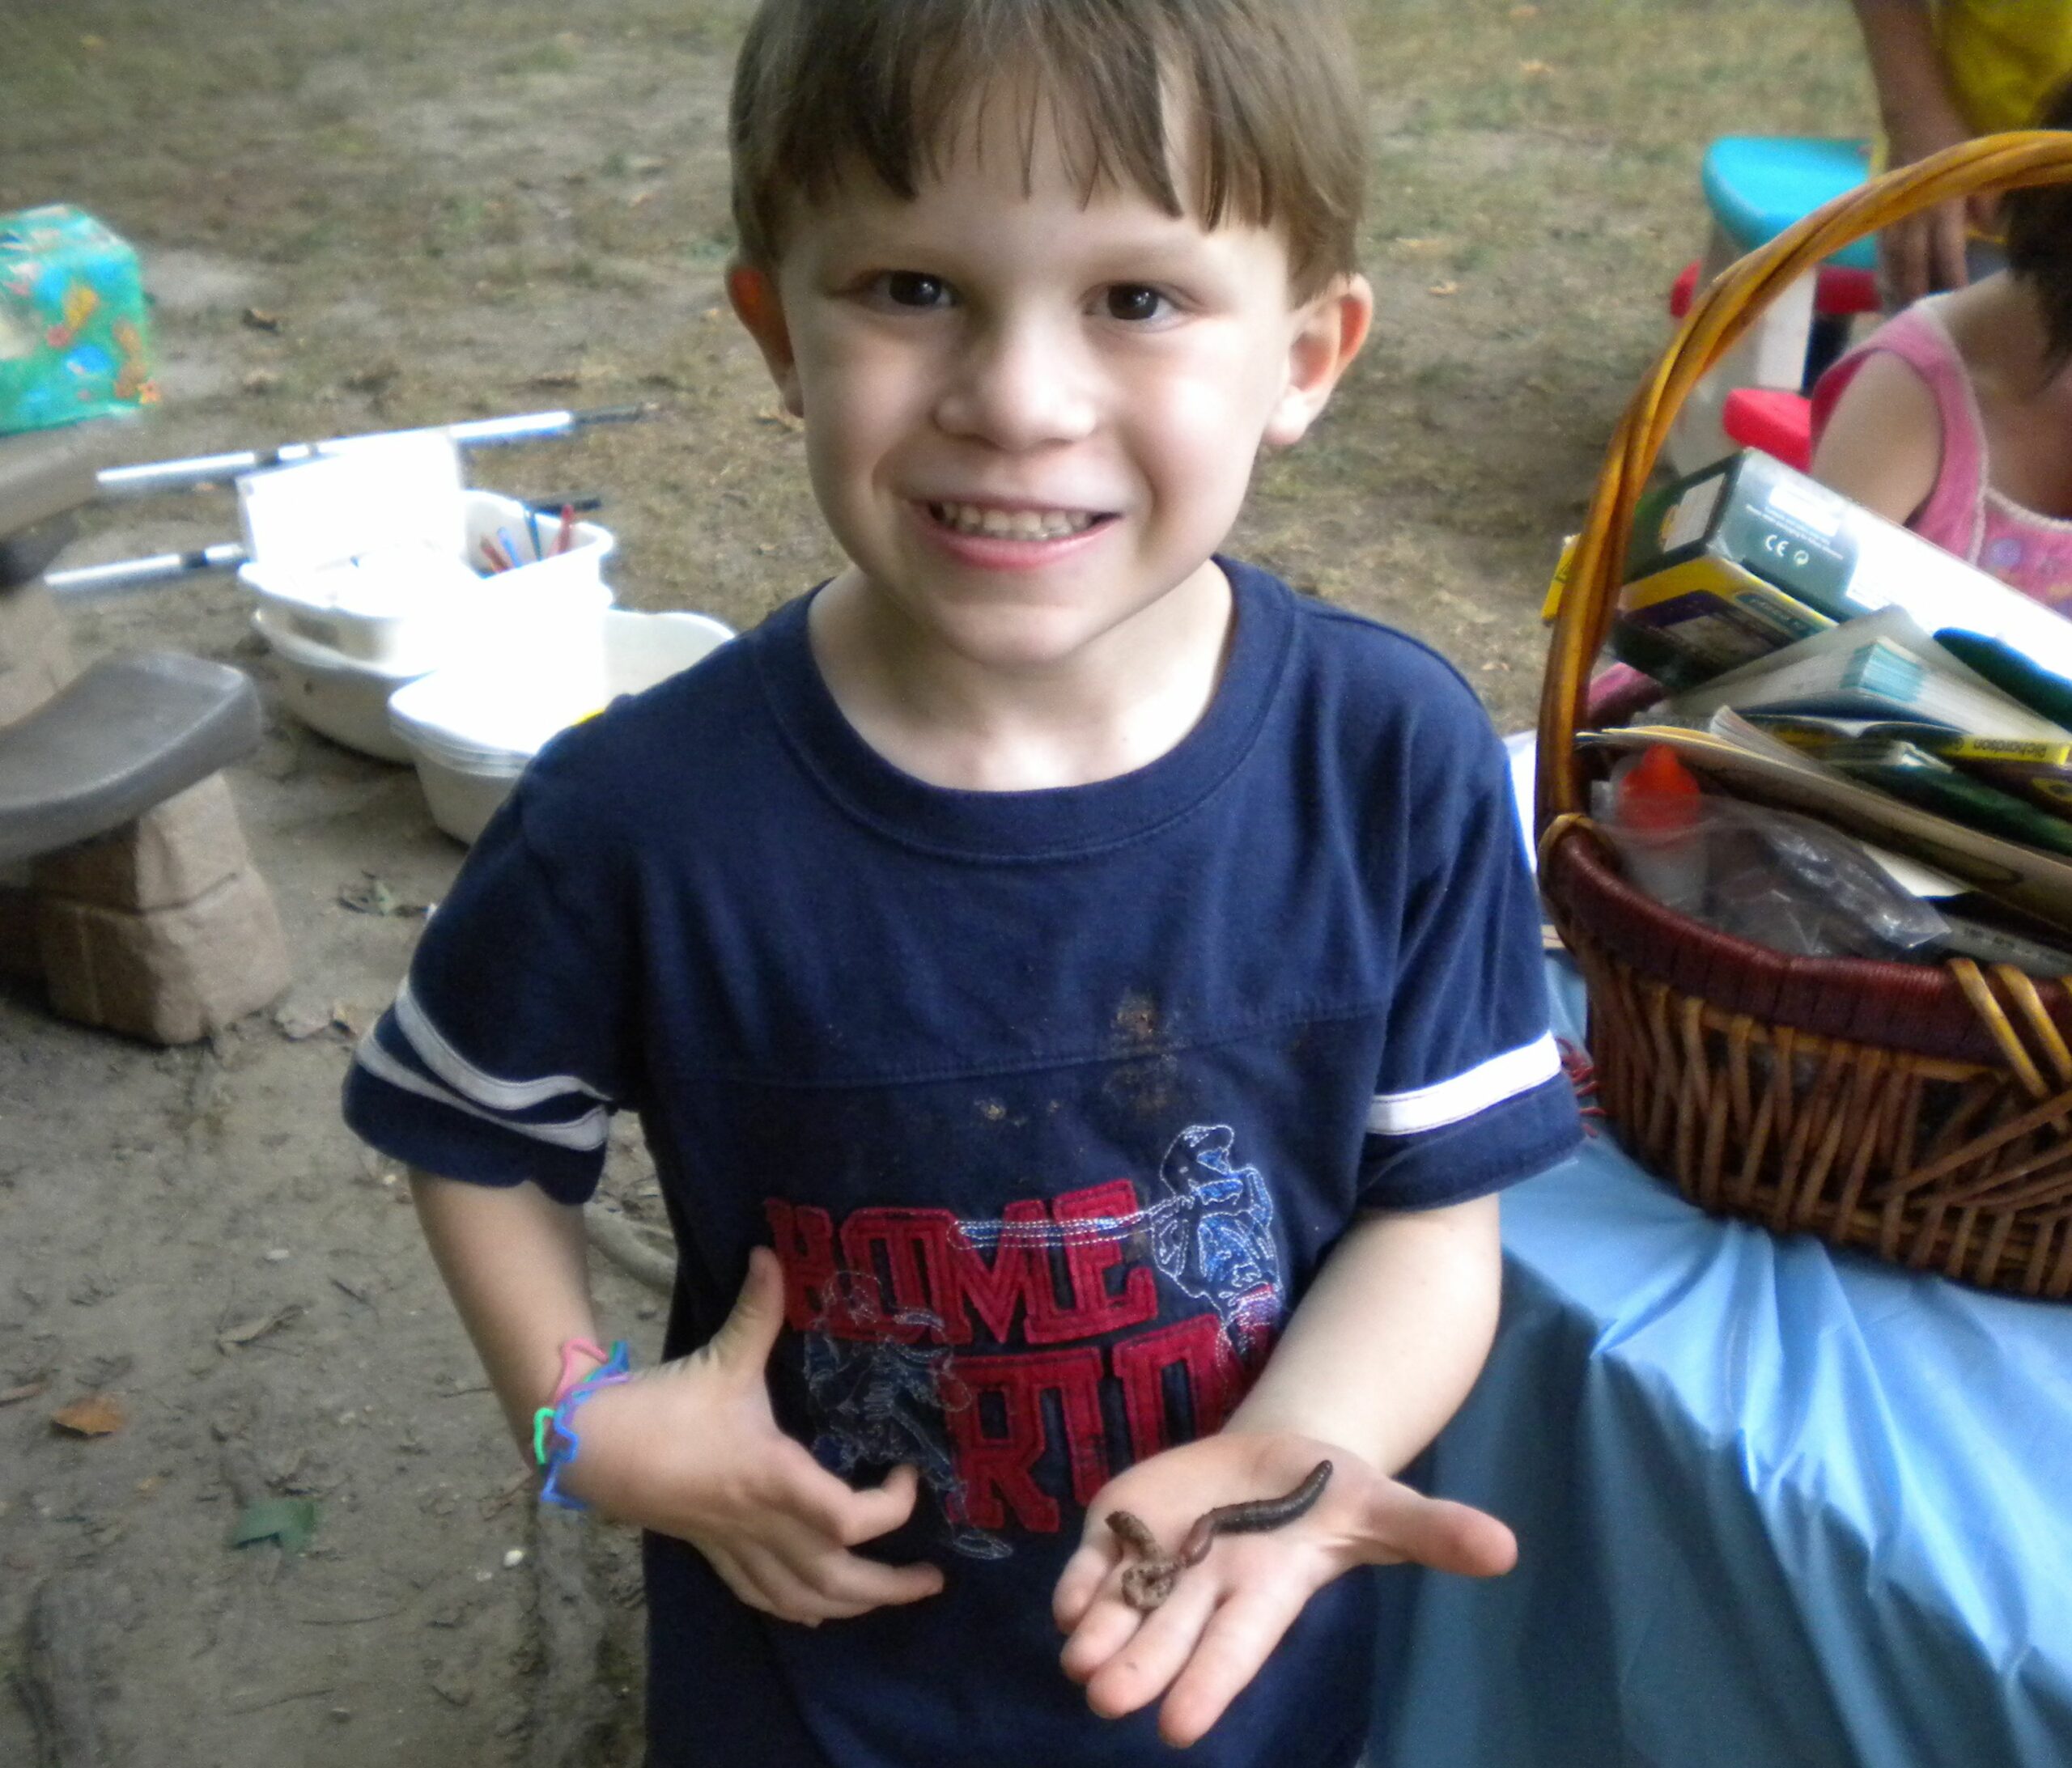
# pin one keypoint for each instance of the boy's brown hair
(1267, 86)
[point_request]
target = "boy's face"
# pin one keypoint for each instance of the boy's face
(1029, 417)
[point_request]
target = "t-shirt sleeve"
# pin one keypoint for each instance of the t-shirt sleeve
(504, 1054)
(1472, 1095)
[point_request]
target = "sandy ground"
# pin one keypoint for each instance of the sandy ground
(368, 215)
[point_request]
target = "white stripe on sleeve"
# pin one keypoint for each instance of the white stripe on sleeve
(583, 1134)
(465, 1077)
(1450, 1101)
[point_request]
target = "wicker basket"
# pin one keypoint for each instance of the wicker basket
(1922, 1113)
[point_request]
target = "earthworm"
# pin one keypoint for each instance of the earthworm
(1148, 1584)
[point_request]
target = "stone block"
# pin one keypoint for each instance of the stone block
(168, 975)
(173, 853)
(20, 956)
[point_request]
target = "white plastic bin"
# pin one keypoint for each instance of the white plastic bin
(405, 606)
(345, 698)
(473, 725)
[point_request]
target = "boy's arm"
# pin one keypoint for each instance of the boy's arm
(516, 1264)
(1378, 1355)
(689, 1448)
(1390, 1336)
(1924, 252)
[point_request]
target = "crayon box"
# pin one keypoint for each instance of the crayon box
(75, 336)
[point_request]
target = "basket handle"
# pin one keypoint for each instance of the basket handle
(1715, 323)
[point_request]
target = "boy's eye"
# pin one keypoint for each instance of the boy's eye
(1133, 302)
(913, 288)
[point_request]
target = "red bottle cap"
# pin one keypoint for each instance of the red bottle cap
(1658, 794)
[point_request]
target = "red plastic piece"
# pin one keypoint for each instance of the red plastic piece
(1683, 291)
(1839, 292)
(1774, 419)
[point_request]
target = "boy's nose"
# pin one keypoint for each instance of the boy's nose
(1017, 387)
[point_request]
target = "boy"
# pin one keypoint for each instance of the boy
(1055, 966)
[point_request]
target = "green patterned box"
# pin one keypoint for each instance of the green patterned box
(75, 337)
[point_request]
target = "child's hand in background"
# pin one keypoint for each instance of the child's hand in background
(1205, 1642)
(690, 1448)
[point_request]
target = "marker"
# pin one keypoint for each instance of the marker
(567, 529)
(494, 554)
(510, 546)
(533, 527)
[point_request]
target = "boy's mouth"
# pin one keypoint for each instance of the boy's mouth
(994, 522)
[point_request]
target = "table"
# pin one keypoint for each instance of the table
(1777, 1505)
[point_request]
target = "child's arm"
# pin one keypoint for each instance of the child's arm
(1882, 444)
(1379, 1354)
(689, 1448)
(1923, 252)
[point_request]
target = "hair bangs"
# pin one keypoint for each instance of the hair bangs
(1138, 93)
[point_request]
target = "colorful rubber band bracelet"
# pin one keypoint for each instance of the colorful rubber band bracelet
(557, 1421)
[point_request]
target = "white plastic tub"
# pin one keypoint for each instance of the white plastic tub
(404, 606)
(473, 725)
(346, 699)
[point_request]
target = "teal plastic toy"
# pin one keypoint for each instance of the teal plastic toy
(1758, 186)
(74, 333)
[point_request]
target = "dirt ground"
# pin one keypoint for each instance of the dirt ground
(372, 214)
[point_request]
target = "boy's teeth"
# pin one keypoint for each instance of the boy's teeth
(1012, 524)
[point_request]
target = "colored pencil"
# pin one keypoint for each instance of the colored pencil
(510, 546)
(567, 529)
(494, 554)
(533, 528)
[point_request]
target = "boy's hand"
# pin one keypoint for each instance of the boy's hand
(1206, 1642)
(690, 1448)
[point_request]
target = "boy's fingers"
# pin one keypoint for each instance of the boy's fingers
(800, 1488)
(1079, 1583)
(873, 1511)
(1447, 1537)
(1105, 1629)
(850, 1584)
(1238, 1638)
(748, 1334)
(1143, 1666)
(778, 1587)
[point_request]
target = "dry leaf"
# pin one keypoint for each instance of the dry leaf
(98, 1414)
(557, 377)
(28, 1390)
(1532, 70)
(260, 320)
(1444, 288)
(1522, 12)
(261, 381)
(245, 1331)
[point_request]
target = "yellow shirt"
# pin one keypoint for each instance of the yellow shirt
(2003, 55)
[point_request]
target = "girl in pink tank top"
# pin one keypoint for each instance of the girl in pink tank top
(1955, 417)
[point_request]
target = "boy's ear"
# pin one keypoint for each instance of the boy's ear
(1329, 333)
(758, 307)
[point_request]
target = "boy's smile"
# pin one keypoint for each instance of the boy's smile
(1031, 413)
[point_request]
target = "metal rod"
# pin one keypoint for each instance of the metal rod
(98, 582)
(156, 475)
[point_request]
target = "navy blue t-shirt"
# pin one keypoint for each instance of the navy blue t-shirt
(1051, 1104)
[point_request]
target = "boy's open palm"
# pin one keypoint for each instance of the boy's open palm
(1204, 1644)
(690, 1448)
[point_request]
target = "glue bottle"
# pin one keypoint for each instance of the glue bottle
(1658, 805)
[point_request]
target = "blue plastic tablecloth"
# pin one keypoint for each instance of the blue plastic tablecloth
(1776, 1504)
